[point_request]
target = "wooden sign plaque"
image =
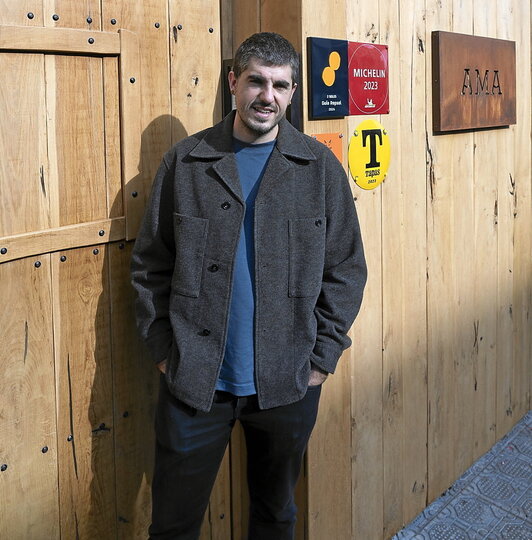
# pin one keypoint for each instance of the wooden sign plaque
(473, 82)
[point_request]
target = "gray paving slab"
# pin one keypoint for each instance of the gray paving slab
(492, 500)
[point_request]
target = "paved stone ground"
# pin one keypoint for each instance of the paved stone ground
(491, 501)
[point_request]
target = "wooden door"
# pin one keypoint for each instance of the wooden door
(68, 200)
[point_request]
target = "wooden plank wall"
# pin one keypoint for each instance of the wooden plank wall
(440, 367)
(78, 391)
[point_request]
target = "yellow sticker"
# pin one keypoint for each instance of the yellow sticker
(369, 154)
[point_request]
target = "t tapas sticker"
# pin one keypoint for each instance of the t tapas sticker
(369, 154)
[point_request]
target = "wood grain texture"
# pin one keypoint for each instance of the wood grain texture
(404, 390)
(366, 354)
(522, 293)
(74, 87)
(395, 307)
(195, 79)
(131, 128)
(328, 455)
(450, 330)
(24, 178)
(135, 384)
(226, 29)
(285, 19)
(150, 124)
(484, 351)
(239, 492)
(21, 12)
(411, 145)
(84, 393)
(58, 40)
(70, 236)
(69, 14)
(112, 142)
(507, 198)
(246, 20)
(28, 438)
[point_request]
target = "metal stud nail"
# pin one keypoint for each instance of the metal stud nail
(180, 27)
(55, 17)
(96, 251)
(30, 15)
(70, 438)
(132, 80)
(121, 245)
(134, 194)
(63, 258)
(211, 30)
(3, 251)
(37, 264)
(157, 25)
(3, 467)
(91, 40)
(44, 449)
(356, 133)
(89, 20)
(113, 21)
(126, 414)
(101, 233)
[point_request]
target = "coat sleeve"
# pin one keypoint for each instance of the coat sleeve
(345, 272)
(152, 266)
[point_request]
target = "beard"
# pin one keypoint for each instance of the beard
(260, 126)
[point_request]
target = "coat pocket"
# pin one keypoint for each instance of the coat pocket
(306, 238)
(190, 238)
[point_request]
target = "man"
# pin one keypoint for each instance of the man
(249, 271)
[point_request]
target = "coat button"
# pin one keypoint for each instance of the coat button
(205, 332)
(226, 205)
(213, 268)
(318, 223)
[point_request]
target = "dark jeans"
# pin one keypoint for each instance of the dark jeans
(191, 444)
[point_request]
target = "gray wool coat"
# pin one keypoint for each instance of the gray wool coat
(310, 270)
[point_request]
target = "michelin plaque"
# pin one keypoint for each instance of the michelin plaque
(368, 78)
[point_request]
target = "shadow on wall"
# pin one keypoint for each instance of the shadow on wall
(125, 383)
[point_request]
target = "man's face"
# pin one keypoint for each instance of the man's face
(262, 94)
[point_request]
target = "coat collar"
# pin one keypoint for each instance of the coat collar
(217, 143)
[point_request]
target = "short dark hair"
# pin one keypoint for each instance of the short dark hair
(270, 48)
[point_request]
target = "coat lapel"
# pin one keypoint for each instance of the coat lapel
(276, 172)
(217, 145)
(227, 170)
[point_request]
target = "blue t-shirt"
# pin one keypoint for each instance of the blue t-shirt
(237, 374)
